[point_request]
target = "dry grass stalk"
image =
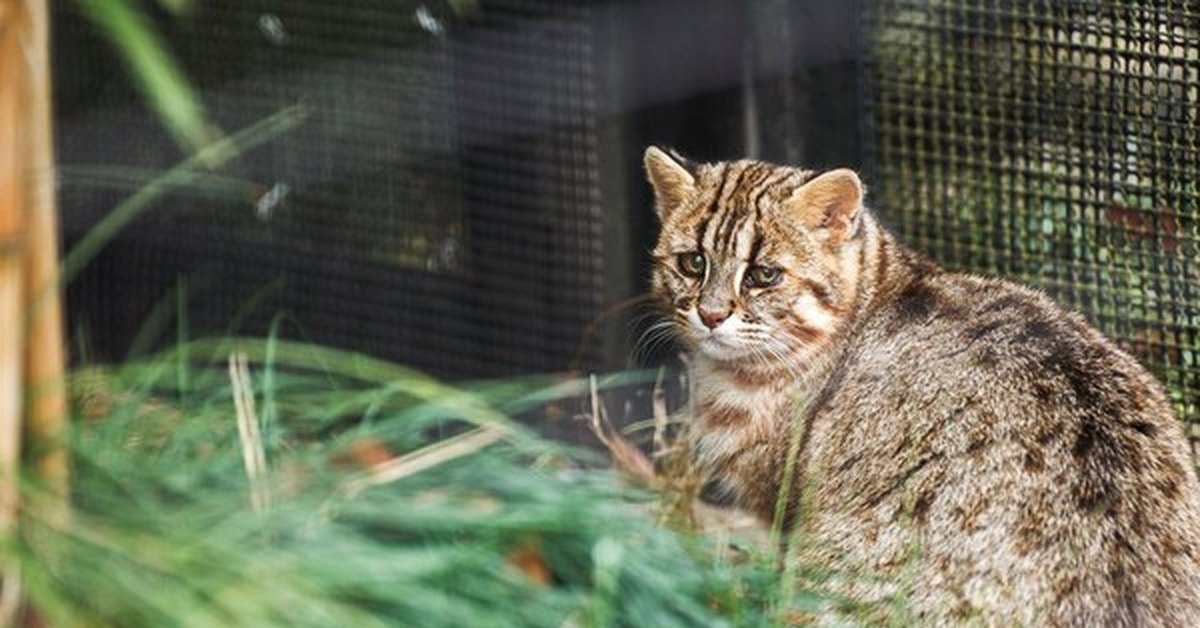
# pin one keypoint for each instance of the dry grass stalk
(682, 480)
(425, 458)
(626, 457)
(658, 404)
(677, 478)
(253, 456)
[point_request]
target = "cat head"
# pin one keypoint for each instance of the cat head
(755, 262)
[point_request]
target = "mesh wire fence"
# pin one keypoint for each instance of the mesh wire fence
(439, 206)
(1056, 143)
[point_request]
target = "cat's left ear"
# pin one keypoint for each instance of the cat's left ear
(829, 205)
(672, 176)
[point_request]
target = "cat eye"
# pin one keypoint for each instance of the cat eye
(692, 264)
(762, 277)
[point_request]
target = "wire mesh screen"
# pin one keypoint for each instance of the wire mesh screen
(437, 206)
(1057, 143)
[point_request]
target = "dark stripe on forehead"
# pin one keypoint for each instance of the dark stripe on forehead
(762, 172)
(759, 171)
(708, 214)
(766, 187)
(725, 208)
(770, 178)
(762, 185)
(700, 233)
(750, 175)
(720, 205)
(756, 246)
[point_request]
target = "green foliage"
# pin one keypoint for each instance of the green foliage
(189, 172)
(524, 532)
(154, 69)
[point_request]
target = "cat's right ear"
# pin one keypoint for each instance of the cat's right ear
(672, 177)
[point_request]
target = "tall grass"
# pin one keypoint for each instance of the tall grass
(511, 530)
(156, 73)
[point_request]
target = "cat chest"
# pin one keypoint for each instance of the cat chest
(734, 421)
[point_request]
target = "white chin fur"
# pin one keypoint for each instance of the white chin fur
(723, 342)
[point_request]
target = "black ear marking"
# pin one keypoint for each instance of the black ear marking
(692, 167)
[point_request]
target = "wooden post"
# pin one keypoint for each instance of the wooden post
(45, 350)
(32, 393)
(12, 232)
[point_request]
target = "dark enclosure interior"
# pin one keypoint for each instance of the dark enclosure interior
(465, 194)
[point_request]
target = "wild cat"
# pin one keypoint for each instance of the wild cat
(965, 433)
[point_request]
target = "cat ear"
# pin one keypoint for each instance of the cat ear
(672, 177)
(829, 205)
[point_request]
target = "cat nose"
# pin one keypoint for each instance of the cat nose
(712, 318)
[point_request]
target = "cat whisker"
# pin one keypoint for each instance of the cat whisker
(652, 337)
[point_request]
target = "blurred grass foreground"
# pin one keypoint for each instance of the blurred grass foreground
(263, 483)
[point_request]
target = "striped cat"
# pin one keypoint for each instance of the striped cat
(959, 434)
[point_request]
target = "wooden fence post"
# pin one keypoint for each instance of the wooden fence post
(32, 352)
(12, 232)
(45, 349)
